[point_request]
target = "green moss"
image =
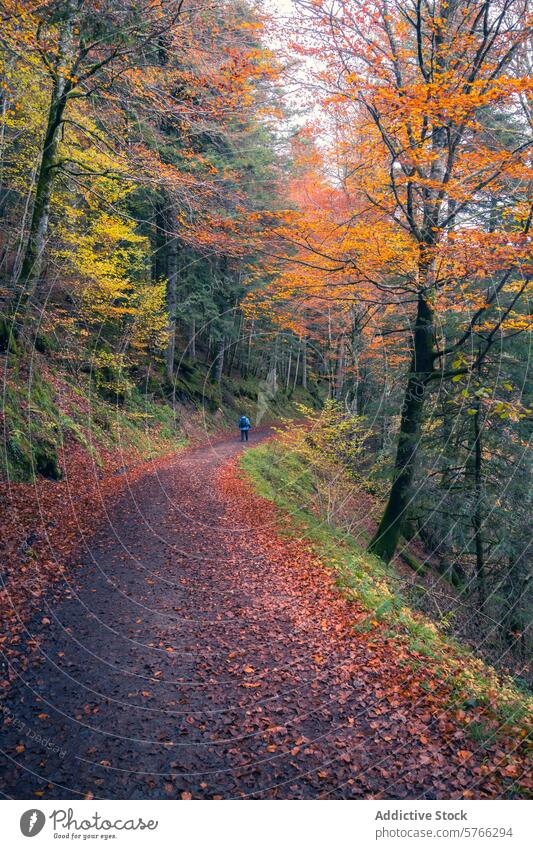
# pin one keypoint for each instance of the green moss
(108, 409)
(45, 343)
(36, 427)
(46, 461)
(413, 563)
(17, 457)
(8, 340)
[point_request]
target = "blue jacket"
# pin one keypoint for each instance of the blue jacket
(244, 423)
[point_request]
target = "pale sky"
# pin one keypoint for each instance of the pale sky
(279, 8)
(284, 7)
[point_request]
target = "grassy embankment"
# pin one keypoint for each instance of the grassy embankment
(491, 705)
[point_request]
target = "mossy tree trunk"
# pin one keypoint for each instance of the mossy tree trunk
(172, 302)
(390, 528)
(339, 377)
(477, 518)
(219, 367)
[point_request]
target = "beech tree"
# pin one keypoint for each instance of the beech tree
(417, 79)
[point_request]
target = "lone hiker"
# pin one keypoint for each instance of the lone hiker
(244, 427)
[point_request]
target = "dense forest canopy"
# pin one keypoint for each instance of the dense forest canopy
(334, 201)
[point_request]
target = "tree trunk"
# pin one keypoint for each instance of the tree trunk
(339, 378)
(274, 358)
(220, 362)
(245, 372)
(172, 304)
(304, 362)
(477, 519)
(234, 347)
(514, 620)
(160, 255)
(297, 367)
(329, 361)
(192, 340)
(386, 538)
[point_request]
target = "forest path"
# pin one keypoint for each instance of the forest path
(202, 654)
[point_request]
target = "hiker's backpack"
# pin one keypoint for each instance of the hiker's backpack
(243, 423)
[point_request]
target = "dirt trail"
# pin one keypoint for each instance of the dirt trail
(199, 655)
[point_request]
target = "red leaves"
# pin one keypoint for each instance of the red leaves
(393, 723)
(44, 522)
